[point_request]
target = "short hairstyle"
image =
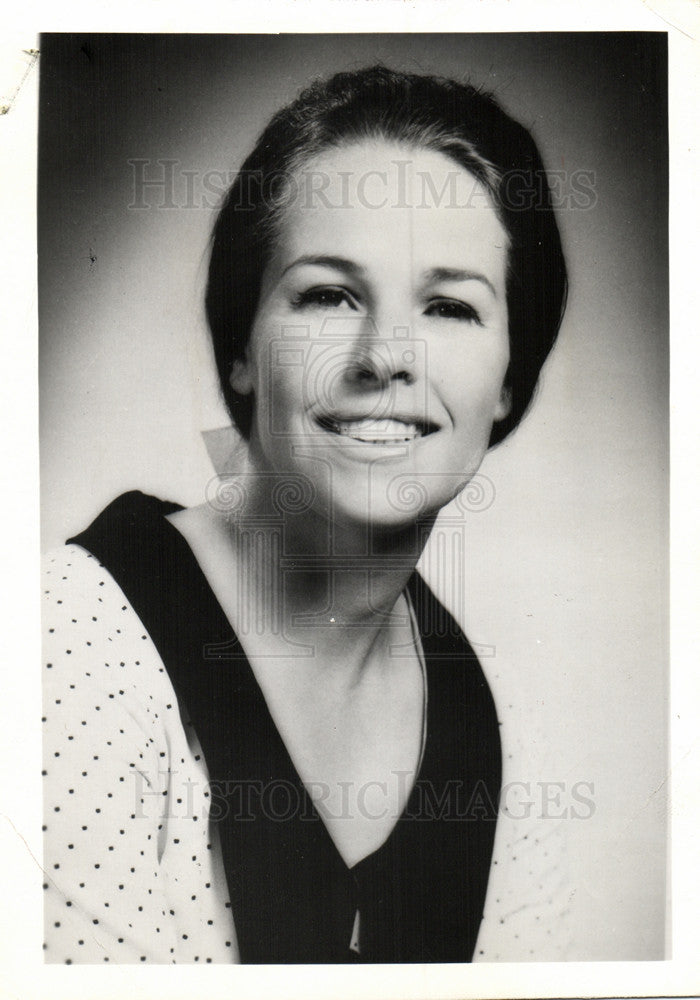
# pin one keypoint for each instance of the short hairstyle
(424, 112)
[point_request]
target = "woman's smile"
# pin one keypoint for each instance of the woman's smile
(376, 430)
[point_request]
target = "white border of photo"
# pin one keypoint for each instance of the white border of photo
(23, 972)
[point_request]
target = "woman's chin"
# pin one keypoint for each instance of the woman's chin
(376, 518)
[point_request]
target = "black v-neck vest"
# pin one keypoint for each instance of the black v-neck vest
(420, 896)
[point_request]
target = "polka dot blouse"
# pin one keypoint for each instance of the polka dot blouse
(132, 867)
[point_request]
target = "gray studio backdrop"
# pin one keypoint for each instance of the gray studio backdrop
(558, 571)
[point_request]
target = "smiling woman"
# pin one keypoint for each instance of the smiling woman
(380, 303)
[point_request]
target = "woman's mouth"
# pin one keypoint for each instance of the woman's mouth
(369, 430)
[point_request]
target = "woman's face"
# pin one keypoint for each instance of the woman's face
(380, 344)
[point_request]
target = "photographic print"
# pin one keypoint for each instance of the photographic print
(354, 466)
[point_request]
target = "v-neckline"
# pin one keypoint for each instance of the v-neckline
(242, 662)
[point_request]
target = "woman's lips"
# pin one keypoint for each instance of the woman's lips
(369, 430)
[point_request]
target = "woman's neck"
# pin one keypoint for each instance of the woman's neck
(317, 580)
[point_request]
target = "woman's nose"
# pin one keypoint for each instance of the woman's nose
(372, 371)
(382, 355)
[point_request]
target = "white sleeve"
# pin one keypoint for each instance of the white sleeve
(105, 774)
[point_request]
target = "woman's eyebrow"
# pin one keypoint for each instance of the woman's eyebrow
(325, 260)
(457, 274)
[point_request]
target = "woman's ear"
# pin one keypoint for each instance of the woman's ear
(240, 379)
(503, 406)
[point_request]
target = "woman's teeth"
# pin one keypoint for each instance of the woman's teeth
(377, 431)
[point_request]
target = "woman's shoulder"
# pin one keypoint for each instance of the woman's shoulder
(70, 567)
(96, 649)
(77, 590)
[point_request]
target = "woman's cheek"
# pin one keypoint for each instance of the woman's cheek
(280, 400)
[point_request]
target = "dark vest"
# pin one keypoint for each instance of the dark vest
(421, 894)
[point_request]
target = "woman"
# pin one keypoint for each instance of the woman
(268, 741)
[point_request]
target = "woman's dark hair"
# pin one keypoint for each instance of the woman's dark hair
(424, 112)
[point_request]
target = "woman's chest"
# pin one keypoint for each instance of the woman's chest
(356, 753)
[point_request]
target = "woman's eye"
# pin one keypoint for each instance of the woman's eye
(324, 298)
(452, 309)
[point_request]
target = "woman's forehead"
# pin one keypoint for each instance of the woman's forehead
(375, 198)
(375, 172)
